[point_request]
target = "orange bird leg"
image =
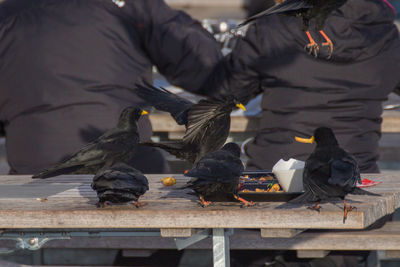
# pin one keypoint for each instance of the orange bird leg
(244, 201)
(312, 47)
(204, 203)
(138, 204)
(327, 43)
(346, 210)
(316, 207)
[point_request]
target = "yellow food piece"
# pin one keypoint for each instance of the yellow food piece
(265, 178)
(260, 190)
(275, 188)
(246, 191)
(168, 181)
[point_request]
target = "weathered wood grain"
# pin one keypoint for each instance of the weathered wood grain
(274, 233)
(312, 253)
(69, 202)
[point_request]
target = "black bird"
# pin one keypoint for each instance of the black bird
(217, 173)
(120, 184)
(329, 172)
(164, 100)
(115, 145)
(207, 125)
(306, 10)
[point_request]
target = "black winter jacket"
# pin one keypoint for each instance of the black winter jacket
(302, 93)
(51, 50)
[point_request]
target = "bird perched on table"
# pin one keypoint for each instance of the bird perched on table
(329, 172)
(217, 173)
(306, 10)
(120, 183)
(207, 123)
(115, 145)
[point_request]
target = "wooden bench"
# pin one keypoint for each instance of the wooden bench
(64, 207)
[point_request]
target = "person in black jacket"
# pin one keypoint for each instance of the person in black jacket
(52, 52)
(301, 92)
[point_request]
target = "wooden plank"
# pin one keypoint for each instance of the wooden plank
(312, 253)
(284, 233)
(393, 254)
(174, 232)
(173, 207)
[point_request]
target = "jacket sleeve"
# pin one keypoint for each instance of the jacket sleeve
(181, 49)
(237, 73)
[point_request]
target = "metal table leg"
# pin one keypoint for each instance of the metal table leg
(221, 248)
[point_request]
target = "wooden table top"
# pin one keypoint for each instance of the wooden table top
(71, 203)
(163, 122)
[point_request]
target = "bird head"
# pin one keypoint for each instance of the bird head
(237, 103)
(129, 116)
(233, 148)
(322, 136)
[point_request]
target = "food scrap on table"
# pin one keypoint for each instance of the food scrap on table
(168, 181)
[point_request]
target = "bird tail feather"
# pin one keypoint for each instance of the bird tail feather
(55, 171)
(173, 148)
(303, 198)
(359, 191)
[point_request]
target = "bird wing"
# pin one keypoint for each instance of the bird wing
(96, 152)
(200, 117)
(120, 179)
(166, 101)
(217, 166)
(288, 5)
(344, 173)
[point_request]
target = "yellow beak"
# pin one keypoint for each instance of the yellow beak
(241, 106)
(144, 112)
(305, 140)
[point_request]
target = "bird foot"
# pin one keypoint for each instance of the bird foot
(346, 210)
(315, 207)
(328, 44)
(103, 204)
(312, 48)
(244, 203)
(203, 202)
(247, 204)
(138, 204)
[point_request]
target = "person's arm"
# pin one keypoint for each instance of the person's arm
(181, 49)
(237, 73)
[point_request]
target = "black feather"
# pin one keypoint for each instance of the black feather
(116, 145)
(119, 183)
(329, 172)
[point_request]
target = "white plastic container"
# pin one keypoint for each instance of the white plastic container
(289, 174)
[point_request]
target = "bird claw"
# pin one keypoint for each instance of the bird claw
(204, 204)
(138, 204)
(247, 204)
(103, 204)
(312, 49)
(315, 207)
(328, 44)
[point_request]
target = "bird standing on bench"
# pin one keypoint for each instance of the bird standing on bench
(306, 10)
(207, 122)
(329, 172)
(120, 184)
(115, 145)
(217, 173)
